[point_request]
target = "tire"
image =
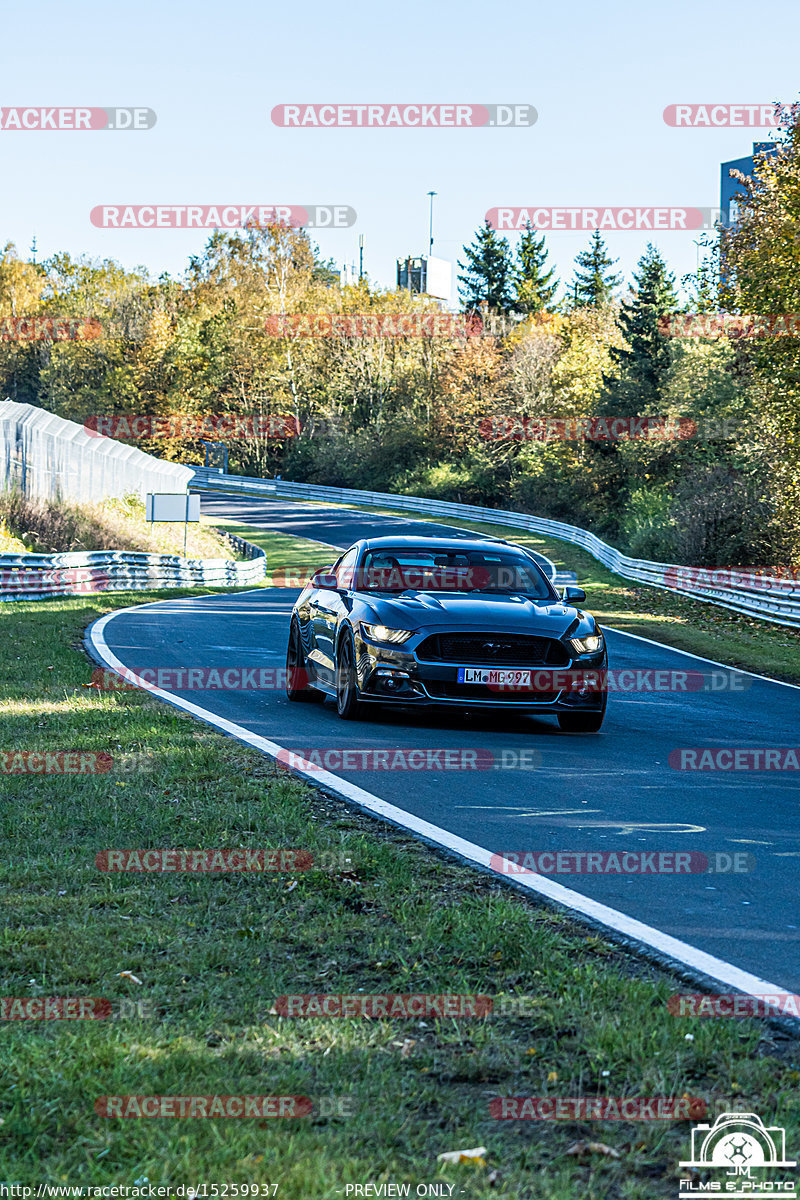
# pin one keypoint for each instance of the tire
(581, 722)
(297, 688)
(347, 703)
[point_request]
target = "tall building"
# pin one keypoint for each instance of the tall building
(425, 276)
(729, 186)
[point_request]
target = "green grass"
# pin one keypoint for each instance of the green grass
(214, 952)
(29, 525)
(288, 557)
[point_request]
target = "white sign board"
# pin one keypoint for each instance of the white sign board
(172, 506)
(438, 282)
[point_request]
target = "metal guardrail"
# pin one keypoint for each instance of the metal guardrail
(247, 549)
(213, 474)
(46, 456)
(772, 598)
(44, 576)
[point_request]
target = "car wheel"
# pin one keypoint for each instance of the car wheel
(296, 669)
(347, 703)
(581, 722)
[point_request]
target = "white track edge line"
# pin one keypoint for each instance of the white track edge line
(697, 960)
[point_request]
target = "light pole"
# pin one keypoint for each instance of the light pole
(430, 232)
(698, 244)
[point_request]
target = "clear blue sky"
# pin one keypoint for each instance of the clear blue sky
(599, 74)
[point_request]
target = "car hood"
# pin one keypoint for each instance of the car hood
(517, 613)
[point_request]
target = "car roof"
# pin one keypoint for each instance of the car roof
(436, 543)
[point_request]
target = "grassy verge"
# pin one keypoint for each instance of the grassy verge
(288, 557)
(212, 953)
(36, 526)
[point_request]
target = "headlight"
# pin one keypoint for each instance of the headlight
(380, 633)
(587, 645)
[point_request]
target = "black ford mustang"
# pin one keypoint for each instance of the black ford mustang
(427, 621)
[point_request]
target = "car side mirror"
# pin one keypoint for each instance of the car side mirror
(574, 595)
(324, 579)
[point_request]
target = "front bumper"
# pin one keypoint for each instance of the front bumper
(398, 675)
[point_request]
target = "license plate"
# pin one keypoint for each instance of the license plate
(493, 677)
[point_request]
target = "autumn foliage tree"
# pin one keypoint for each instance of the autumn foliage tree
(760, 273)
(442, 411)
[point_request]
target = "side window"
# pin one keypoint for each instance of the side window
(345, 571)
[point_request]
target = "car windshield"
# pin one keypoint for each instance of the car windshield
(456, 570)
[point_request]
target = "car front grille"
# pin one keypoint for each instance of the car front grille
(471, 692)
(486, 649)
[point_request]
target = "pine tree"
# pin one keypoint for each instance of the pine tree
(652, 297)
(704, 286)
(535, 287)
(487, 276)
(594, 283)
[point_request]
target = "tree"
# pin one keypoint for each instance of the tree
(594, 283)
(21, 286)
(760, 275)
(487, 276)
(535, 286)
(327, 273)
(647, 357)
(702, 287)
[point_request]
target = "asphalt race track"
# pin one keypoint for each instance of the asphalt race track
(614, 791)
(339, 527)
